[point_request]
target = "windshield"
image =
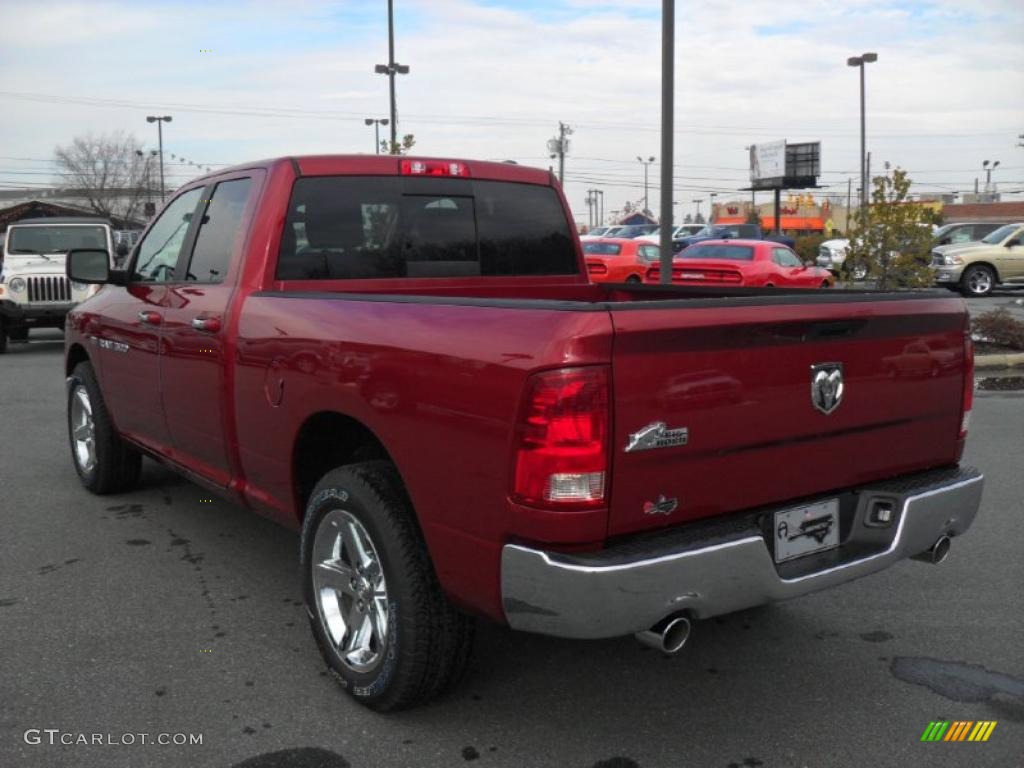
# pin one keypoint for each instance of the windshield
(730, 252)
(602, 249)
(994, 238)
(597, 231)
(55, 239)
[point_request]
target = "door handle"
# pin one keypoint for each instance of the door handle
(207, 324)
(150, 318)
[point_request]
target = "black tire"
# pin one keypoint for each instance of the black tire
(18, 334)
(825, 284)
(116, 464)
(633, 279)
(3, 338)
(977, 280)
(428, 641)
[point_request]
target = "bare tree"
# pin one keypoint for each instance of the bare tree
(110, 171)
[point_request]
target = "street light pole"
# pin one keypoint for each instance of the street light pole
(376, 123)
(698, 201)
(646, 163)
(711, 207)
(391, 69)
(160, 120)
(860, 61)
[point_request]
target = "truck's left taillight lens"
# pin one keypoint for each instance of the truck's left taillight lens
(561, 451)
(968, 396)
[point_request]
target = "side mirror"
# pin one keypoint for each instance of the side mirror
(88, 265)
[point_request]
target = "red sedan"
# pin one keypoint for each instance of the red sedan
(618, 260)
(749, 263)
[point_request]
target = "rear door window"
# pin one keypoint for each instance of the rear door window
(344, 227)
(218, 231)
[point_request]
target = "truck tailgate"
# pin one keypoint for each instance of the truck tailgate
(737, 375)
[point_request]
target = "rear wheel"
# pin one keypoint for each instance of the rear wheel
(633, 279)
(977, 280)
(825, 283)
(378, 614)
(104, 462)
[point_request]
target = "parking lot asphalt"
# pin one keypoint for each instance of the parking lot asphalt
(159, 611)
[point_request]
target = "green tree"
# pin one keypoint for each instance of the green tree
(895, 243)
(399, 147)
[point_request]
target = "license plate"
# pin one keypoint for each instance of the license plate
(804, 530)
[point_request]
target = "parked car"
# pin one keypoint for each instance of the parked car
(405, 359)
(595, 233)
(748, 263)
(975, 269)
(964, 232)
(682, 230)
(618, 260)
(631, 230)
(737, 231)
(34, 290)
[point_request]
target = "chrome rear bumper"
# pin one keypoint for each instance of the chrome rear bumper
(626, 589)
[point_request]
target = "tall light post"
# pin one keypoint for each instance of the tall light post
(160, 120)
(391, 69)
(698, 201)
(376, 123)
(646, 164)
(988, 175)
(860, 62)
(711, 207)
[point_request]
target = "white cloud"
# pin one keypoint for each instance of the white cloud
(493, 82)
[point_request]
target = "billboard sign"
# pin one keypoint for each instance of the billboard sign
(767, 161)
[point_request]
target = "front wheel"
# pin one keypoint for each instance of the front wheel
(18, 334)
(977, 280)
(633, 279)
(378, 614)
(104, 462)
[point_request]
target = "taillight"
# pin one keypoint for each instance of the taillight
(968, 396)
(434, 168)
(561, 453)
(596, 268)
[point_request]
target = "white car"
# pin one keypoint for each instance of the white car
(832, 255)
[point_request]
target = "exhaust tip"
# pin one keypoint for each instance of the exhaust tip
(668, 636)
(938, 551)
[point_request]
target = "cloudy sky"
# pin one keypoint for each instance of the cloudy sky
(492, 79)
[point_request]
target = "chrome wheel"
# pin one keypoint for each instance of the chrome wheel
(350, 592)
(979, 281)
(83, 429)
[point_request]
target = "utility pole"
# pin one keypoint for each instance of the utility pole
(849, 195)
(668, 70)
(559, 147)
(391, 69)
(600, 221)
(590, 200)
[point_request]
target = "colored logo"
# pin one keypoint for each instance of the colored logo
(958, 730)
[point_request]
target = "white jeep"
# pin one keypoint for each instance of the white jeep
(34, 289)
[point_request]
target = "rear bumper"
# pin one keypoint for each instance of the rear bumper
(630, 587)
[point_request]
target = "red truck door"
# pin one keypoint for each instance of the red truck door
(128, 341)
(195, 377)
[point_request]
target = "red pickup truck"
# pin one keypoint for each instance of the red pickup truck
(404, 358)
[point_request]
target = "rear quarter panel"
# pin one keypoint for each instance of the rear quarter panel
(440, 387)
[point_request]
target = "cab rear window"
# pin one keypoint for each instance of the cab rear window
(345, 227)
